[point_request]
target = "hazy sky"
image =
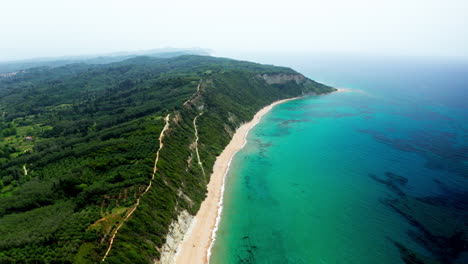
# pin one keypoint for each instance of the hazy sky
(32, 28)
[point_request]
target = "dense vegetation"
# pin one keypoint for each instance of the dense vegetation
(6, 68)
(78, 142)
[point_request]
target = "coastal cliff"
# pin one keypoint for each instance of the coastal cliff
(177, 231)
(309, 86)
(282, 78)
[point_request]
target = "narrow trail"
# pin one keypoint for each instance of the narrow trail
(25, 170)
(196, 129)
(193, 95)
(131, 211)
(196, 145)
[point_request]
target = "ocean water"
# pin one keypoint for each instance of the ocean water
(301, 190)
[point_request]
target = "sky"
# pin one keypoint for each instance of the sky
(47, 28)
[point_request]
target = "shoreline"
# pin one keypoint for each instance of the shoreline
(341, 90)
(199, 240)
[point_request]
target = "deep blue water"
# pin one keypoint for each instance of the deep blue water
(310, 184)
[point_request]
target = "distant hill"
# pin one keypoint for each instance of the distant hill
(78, 145)
(14, 66)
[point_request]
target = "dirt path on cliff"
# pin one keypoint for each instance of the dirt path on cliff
(132, 210)
(193, 95)
(26, 170)
(196, 146)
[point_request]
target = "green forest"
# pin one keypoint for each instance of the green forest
(78, 145)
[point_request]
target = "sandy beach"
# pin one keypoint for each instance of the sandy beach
(197, 243)
(340, 90)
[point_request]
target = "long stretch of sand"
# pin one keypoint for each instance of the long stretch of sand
(339, 90)
(197, 243)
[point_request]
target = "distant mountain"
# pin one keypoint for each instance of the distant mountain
(10, 67)
(78, 146)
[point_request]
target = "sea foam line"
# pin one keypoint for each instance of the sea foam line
(221, 200)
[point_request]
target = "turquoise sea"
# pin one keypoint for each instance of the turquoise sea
(354, 177)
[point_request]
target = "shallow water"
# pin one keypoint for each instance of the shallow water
(300, 191)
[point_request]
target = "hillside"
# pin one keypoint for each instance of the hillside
(7, 68)
(78, 145)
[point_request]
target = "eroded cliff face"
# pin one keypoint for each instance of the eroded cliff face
(307, 86)
(174, 238)
(282, 78)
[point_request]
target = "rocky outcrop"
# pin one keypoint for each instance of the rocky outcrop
(307, 86)
(282, 78)
(174, 238)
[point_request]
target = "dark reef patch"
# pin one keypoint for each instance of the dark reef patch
(247, 251)
(442, 229)
(287, 123)
(419, 113)
(439, 149)
(364, 111)
(333, 113)
(392, 181)
(441, 221)
(262, 147)
(410, 257)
